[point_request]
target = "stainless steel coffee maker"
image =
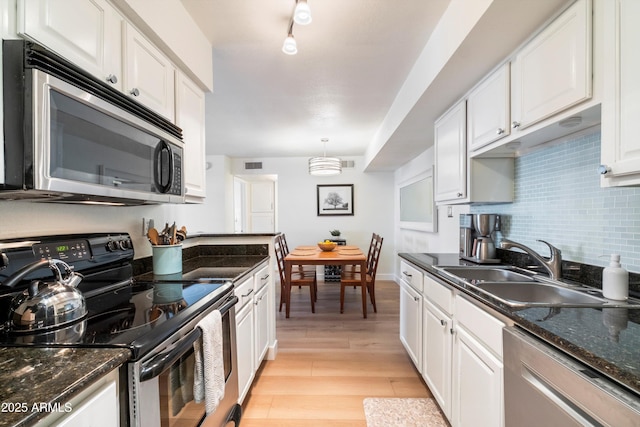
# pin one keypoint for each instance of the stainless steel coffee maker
(476, 242)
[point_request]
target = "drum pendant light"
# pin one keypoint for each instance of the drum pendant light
(325, 166)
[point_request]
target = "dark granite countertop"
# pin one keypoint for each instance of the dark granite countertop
(49, 375)
(605, 339)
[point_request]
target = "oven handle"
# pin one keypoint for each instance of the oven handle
(158, 364)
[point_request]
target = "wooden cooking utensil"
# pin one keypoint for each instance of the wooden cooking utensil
(153, 236)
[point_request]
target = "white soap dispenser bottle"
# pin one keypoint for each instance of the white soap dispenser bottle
(615, 280)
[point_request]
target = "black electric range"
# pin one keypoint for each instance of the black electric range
(122, 312)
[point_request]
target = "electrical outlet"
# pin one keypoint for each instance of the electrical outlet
(450, 211)
(145, 227)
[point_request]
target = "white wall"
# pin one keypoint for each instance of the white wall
(297, 209)
(24, 219)
(445, 239)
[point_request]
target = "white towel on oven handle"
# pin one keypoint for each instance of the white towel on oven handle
(209, 380)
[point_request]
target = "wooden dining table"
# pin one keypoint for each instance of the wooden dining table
(313, 255)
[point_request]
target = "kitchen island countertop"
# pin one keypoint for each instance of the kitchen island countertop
(31, 376)
(606, 339)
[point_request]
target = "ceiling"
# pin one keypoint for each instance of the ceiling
(352, 62)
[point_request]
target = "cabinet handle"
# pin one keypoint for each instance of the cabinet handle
(265, 277)
(500, 131)
(515, 124)
(459, 194)
(451, 331)
(248, 293)
(111, 78)
(407, 274)
(134, 91)
(416, 299)
(443, 322)
(604, 169)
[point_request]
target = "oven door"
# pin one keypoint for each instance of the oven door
(161, 384)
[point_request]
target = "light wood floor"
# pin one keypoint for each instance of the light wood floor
(329, 362)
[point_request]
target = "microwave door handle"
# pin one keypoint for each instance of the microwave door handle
(163, 148)
(162, 361)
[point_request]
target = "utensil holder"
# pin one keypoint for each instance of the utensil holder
(167, 259)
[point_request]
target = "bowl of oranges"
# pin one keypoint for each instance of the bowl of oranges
(327, 245)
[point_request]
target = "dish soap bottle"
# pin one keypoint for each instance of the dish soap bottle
(615, 280)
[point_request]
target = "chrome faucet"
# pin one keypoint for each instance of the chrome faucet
(553, 265)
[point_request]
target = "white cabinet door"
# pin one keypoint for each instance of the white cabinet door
(190, 117)
(488, 114)
(261, 307)
(620, 106)
(553, 71)
(149, 76)
(477, 398)
(85, 32)
(411, 323)
(245, 340)
(437, 348)
(450, 149)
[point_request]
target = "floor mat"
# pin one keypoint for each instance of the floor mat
(400, 412)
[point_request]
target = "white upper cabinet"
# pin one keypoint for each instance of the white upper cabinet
(149, 75)
(620, 107)
(553, 71)
(450, 155)
(190, 117)
(488, 114)
(86, 32)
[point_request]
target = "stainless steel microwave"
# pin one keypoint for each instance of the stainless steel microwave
(69, 137)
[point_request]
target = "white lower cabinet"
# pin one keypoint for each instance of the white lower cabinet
(244, 336)
(261, 315)
(98, 405)
(252, 326)
(461, 355)
(477, 383)
(410, 323)
(437, 347)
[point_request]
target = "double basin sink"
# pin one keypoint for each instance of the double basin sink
(521, 289)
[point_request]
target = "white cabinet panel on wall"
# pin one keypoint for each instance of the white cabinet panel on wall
(85, 32)
(620, 107)
(149, 76)
(553, 71)
(245, 336)
(190, 117)
(488, 109)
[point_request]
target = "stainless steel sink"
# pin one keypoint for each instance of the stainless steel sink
(475, 275)
(533, 294)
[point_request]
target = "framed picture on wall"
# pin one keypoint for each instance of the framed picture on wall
(335, 199)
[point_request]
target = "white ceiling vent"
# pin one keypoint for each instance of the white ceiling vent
(252, 165)
(348, 164)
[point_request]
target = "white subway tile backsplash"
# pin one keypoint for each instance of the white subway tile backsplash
(558, 198)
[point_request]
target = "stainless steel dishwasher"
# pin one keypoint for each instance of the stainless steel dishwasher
(545, 387)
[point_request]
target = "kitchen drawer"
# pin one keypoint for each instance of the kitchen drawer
(244, 292)
(411, 275)
(439, 294)
(481, 324)
(261, 278)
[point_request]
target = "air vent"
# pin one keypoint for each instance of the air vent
(252, 165)
(348, 164)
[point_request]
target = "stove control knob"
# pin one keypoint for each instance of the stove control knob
(124, 244)
(112, 245)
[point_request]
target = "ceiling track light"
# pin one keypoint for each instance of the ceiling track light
(301, 16)
(302, 13)
(290, 47)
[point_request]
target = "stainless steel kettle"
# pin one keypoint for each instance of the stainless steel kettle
(46, 305)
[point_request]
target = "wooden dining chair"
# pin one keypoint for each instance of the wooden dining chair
(356, 267)
(298, 277)
(353, 278)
